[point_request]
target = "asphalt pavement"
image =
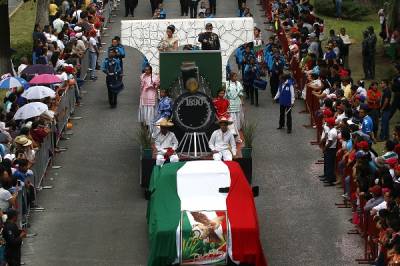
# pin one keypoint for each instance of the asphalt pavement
(96, 214)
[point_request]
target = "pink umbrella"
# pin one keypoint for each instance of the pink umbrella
(45, 79)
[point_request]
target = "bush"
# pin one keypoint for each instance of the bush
(21, 49)
(351, 9)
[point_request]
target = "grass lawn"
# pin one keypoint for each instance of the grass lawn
(21, 28)
(384, 68)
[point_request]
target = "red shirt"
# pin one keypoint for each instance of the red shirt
(221, 107)
(374, 98)
(38, 134)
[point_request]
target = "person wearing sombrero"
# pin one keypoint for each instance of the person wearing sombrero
(166, 143)
(222, 142)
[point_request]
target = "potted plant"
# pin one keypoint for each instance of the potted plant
(143, 137)
(248, 129)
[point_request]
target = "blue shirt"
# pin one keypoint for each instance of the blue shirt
(330, 55)
(21, 176)
(367, 125)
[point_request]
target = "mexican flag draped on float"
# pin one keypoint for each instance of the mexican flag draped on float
(191, 222)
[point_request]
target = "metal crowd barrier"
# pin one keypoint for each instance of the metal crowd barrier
(42, 159)
(22, 208)
(64, 110)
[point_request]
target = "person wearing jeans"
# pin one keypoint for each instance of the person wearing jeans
(93, 52)
(385, 110)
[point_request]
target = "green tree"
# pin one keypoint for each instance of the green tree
(5, 52)
(394, 17)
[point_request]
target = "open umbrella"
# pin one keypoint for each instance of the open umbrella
(38, 92)
(10, 82)
(30, 110)
(37, 70)
(45, 79)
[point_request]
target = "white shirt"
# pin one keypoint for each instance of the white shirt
(345, 39)
(380, 206)
(325, 130)
(60, 44)
(20, 69)
(340, 117)
(77, 14)
(361, 91)
(5, 196)
(220, 141)
(163, 142)
(80, 45)
(58, 24)
(92, 44)
(332, 136)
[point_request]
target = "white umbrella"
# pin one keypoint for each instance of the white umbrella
(30, 110)
(38, 92)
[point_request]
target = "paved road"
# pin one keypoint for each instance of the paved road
(95, 215)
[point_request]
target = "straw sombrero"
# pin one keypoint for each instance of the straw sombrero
(165, 123)
(224, 120)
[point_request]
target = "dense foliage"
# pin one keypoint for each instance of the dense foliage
(352, 9)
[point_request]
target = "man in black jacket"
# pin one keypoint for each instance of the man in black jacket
(13, 237)
(209, 40)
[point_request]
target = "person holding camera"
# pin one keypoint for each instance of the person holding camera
(209, 40)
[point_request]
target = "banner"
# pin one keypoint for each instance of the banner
(204, 238)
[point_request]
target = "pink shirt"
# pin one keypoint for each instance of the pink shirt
(148, 85)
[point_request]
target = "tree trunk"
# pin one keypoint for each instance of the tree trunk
(394, 15)
(5, 52)
(42, 13)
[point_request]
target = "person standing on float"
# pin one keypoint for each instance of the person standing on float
(149, 83)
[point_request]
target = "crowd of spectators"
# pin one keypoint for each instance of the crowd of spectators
(59, 48)
(72, 30)
(351, 115)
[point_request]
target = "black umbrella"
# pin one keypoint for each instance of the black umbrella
(38, 69)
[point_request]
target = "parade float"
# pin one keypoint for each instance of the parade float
(192, 79)
(200, 211)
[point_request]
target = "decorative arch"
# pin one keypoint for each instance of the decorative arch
(145, 35)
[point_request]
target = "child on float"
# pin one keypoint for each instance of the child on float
(164, 109)
(221, 105)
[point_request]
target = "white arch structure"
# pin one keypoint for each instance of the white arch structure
(145, 35)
